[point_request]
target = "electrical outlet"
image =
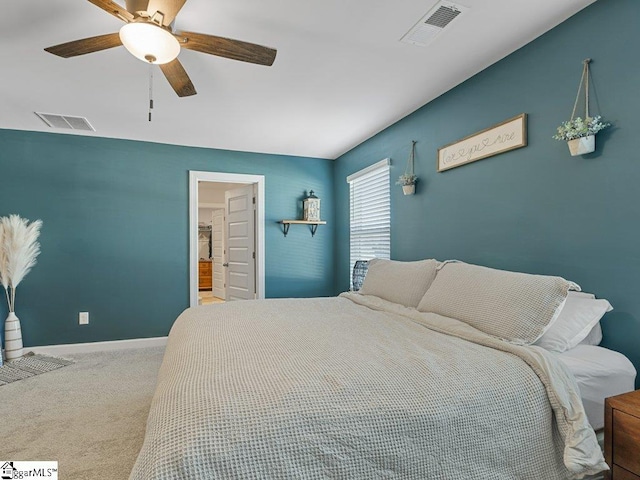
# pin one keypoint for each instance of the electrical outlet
(83, 318)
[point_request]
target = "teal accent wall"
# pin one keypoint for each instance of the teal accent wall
(536, 209)
(115, 234)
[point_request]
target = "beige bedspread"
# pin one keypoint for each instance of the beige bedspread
(355, 387)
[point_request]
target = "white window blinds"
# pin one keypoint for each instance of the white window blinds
(370, 213)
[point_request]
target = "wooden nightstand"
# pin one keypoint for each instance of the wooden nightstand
(622, 436)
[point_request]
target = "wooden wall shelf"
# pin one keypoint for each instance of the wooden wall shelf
(287, 223)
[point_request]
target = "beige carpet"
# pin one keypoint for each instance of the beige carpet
(89, 416)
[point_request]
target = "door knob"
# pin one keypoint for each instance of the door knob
(225, 264)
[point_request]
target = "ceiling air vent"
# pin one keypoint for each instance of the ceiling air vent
(429, 26)
(65, 121)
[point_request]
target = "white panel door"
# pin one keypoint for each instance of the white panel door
(239, 242)
(218, 253)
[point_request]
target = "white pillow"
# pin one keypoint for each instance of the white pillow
(399, 282)
(580, 314)
(595, 336)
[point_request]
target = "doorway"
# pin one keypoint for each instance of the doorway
(226, 237)
(211, 241)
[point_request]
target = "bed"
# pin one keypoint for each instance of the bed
(360, 386)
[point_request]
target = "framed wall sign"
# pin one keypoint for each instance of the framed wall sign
(500, 138)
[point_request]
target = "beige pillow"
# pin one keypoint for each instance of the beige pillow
(517, 307)
(399, 282)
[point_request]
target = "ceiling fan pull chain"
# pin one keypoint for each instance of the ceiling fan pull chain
(150, 89)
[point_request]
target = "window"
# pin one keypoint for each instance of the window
(369, 213)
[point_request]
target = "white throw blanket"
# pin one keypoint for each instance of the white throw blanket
(355, 387)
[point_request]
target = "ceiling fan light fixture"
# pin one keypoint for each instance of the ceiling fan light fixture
(150, 43)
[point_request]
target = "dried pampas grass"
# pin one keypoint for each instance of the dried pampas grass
(4, 275)
(19, 249)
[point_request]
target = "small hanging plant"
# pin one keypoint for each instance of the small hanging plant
(408, 179)
(578, 128)
(579, 132)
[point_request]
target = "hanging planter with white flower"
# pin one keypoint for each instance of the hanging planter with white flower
(578, 132)
(408, 179)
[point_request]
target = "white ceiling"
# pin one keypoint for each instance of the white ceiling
(341, 74)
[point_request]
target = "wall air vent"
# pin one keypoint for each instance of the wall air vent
(430, 26)
(65, 121)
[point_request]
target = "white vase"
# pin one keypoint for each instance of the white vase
(12, 337)
(582, 145)
(409, 189)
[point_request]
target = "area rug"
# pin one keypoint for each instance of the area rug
(29, 366)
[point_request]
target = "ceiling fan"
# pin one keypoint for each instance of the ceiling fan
(148, 35)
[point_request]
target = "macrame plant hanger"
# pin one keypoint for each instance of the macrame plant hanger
(587, 143)
(412, 156)
(584, 81)
(410, 189)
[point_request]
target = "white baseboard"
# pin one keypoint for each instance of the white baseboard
(98, 346)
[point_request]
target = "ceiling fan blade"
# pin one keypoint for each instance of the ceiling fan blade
(227, 47)
(86, 45)
(114, 9)
(178, 78)
(169, 8)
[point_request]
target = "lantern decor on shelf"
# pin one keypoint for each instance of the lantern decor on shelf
(310, 215)
(578, 132)
(311, 208)
(408, 179)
